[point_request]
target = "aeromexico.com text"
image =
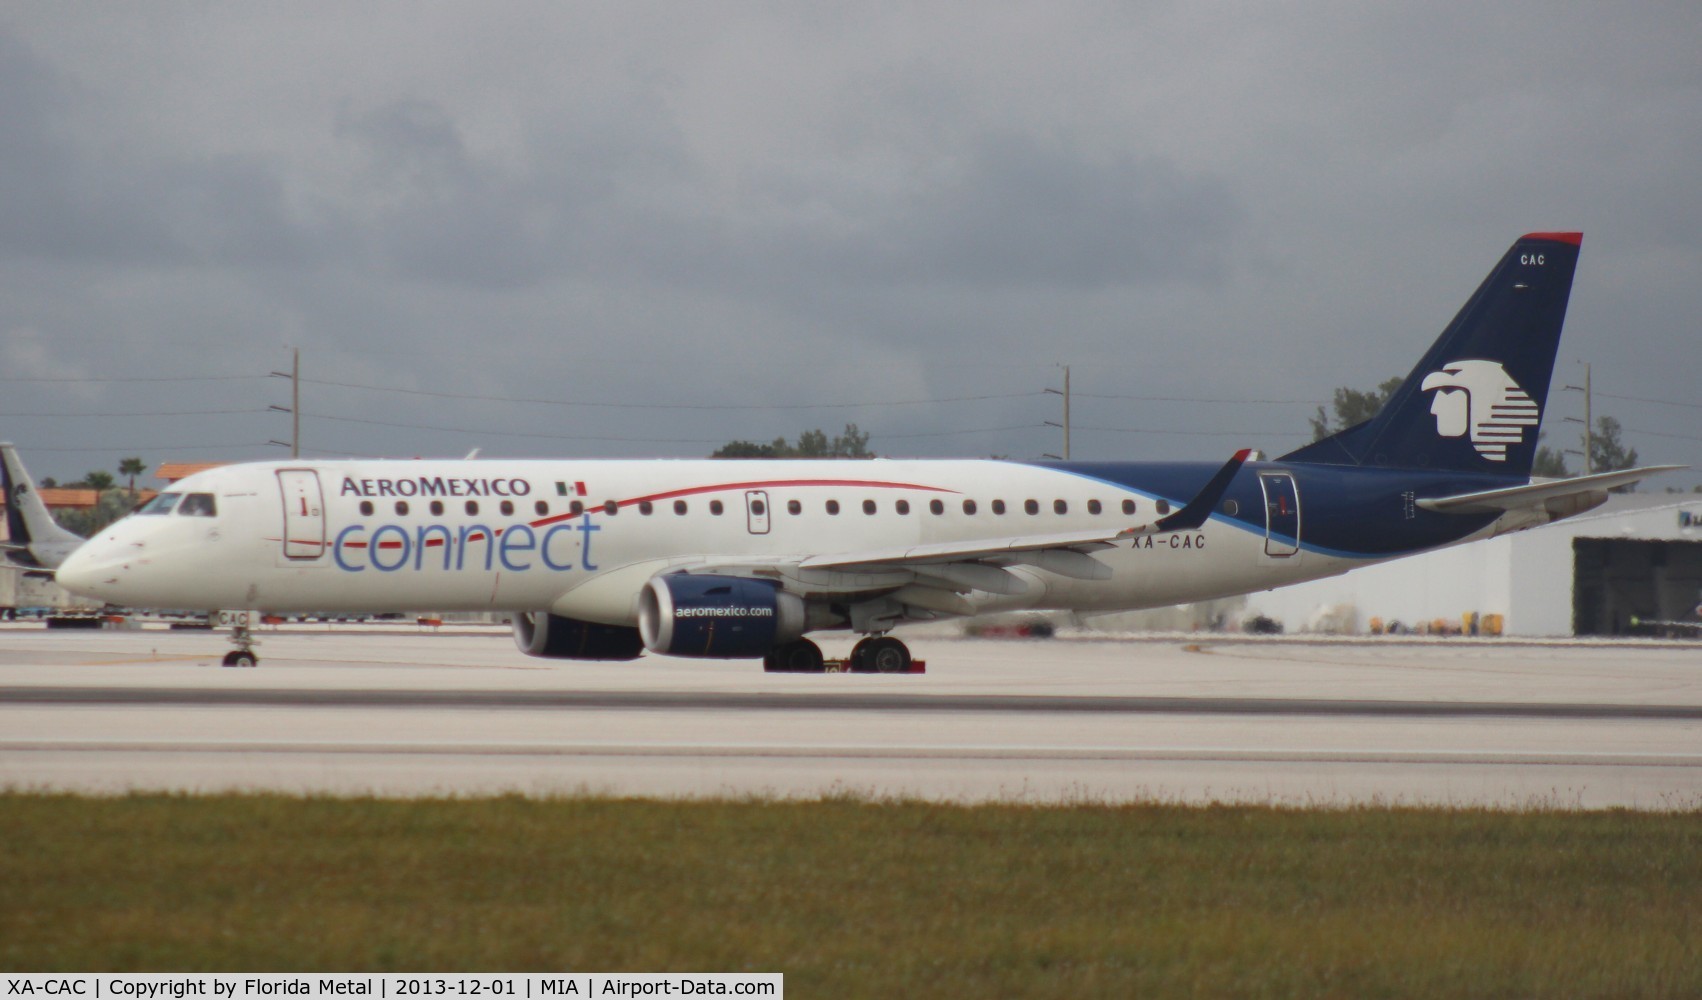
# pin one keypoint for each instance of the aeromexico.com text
(435, 486)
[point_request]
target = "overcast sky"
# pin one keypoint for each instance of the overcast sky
(645, 229)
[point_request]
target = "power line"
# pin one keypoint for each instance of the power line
(1267, 432)
(135, 378)
(1663, 434)
(670, 406)
(485, 431)
(150, 447)
(978, 430)
(180, 413)
(1197, 399)
(1645, 399)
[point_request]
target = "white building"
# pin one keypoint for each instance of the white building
(1639, 556)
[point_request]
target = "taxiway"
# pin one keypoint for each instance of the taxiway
(399, 712)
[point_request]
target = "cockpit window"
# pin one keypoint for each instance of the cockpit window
(161, 504)
(198, 505)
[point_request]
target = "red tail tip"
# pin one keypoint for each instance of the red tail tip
(1575, 239)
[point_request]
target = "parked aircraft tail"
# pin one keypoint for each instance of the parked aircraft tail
(1474, 402)
(34, 540)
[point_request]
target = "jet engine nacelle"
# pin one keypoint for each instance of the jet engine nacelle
(539, 633)
(727, 617)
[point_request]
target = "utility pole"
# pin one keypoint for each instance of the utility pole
(1589, 422)
(1066, 424)
(294, 409)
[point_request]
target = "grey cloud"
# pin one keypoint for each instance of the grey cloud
(68, 198)
(1023, 212)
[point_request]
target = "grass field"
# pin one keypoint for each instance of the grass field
(856, 898)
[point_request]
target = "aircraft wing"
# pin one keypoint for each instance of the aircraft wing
(1559, 498)
(959, 567)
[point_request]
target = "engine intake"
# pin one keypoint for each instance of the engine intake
(726, 617)
(538, 633)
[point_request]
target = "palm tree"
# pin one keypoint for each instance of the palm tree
(98, 480)
(131, 467)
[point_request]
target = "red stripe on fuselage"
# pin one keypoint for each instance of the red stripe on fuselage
(479, 536)
(730, 487)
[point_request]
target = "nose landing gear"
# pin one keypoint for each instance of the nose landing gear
(242, 637)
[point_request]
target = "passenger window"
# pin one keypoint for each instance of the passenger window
(794, 507)
(679, 506)
(1093, 507)
(1128, 506)
(507, 507)
(472, 507)
(902, 506)
(366, 508)
(868, 506)
(1060, 507)
(401, 506)
(611, 508)
(936, 506)
(437, 508)
(998, 506)
(197, 505)
(162, 504)
(1163, 506)
(541, 507)
(645, 507)
(715, 507)
(758, 508)
(576, 508)
(969, 506)
(1031, 506)
(833, 506)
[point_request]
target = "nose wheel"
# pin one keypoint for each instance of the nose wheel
(242, 637)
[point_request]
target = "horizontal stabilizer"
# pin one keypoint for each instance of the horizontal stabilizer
(1543, 494)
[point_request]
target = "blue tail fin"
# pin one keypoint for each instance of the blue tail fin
(1474, 402)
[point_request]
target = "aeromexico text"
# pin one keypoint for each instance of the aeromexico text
(435, 486)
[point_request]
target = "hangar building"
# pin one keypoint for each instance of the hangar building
(1637, 558)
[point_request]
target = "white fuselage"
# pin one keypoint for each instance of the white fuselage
(581, 538)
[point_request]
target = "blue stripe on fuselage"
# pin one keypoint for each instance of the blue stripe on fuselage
(1353, 513)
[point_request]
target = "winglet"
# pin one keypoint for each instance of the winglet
(1194, 513)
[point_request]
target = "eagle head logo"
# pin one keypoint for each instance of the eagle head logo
(1480, 398)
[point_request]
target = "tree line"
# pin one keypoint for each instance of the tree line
(112, 503)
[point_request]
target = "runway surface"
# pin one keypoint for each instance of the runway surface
(1197, 719)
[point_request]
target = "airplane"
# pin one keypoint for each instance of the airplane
(35, 543)
(609, 559)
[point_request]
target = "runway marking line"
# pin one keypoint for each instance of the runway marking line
(1602, 758)
(156, 658)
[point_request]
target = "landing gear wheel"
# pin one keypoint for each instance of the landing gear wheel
(884, 655)
(799, 657)
(242, 637)
(858, 661)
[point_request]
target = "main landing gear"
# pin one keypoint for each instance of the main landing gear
(880, 655)
(872, 655)
(800, 656)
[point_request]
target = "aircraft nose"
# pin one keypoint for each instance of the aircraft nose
(81, 572)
